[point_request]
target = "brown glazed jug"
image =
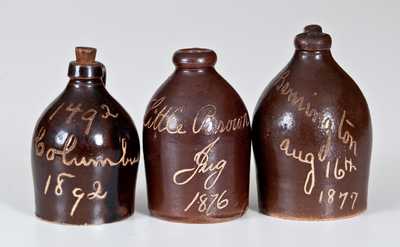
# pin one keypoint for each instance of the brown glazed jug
(312, 137)
(85, 151)
(196, 141)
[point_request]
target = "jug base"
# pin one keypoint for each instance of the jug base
(311, 218)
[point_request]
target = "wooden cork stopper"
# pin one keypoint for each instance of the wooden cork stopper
(85, 55)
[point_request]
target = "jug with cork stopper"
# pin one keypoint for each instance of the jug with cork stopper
(85, 151)
(312, 137)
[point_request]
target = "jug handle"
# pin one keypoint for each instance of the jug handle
(104, 77)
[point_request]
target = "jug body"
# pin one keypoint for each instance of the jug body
(85, 152)
(196, 140)
(312, 137)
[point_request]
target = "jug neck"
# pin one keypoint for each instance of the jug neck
(85, 69)
(85, 82)
(194, 59)
(314, 55)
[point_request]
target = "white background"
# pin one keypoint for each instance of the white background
(136, 40)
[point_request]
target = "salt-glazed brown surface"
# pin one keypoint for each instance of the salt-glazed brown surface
(196, 141)
(85, 151)
(312, 137)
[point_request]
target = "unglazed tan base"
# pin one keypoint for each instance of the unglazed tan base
(85, 224)
(288, 217)
(193, 220)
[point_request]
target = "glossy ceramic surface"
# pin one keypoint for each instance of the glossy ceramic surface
(312, 137)
(85, 151)
(196, 144)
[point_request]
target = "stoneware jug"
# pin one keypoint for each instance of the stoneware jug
(312, 137)
(85, 151)
(196, 141)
